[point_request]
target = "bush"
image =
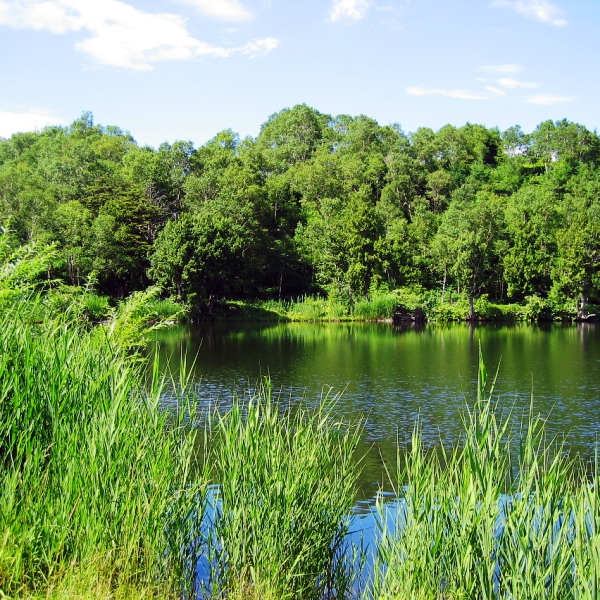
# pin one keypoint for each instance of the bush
(311, 309)
(78, 302)
(534, 308)
(458, 311)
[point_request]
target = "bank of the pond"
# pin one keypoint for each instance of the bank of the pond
(404, 304)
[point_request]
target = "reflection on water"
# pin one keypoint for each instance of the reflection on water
(393, 377)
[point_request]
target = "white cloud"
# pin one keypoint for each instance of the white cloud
(513, 84)
(501, 68)
(259, 47)
(228, 10)
(348, 9)
(14, 122)
(120, 35)
(460, 94)
(495, 90)
(539, 10)
(548, 100)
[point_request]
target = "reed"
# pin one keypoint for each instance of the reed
(167, 309)
(287, 483)
(96, 490)
(381, 306)
(507, 515)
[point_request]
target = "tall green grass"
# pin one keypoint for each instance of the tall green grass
(96, 492)
(287, 484)
(507, 515)
(167, 309)
(381, 306)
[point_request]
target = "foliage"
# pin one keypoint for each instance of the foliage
(315, 205)
(71, 299)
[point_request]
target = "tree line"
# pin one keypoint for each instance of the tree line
(314, 204)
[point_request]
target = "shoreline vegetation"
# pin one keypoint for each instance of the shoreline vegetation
(400, 306)
(103, 493)
(405, 305)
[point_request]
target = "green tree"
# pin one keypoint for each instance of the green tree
(72, 228)
(565, 141)
(467, 243)
(532, 220)
(291, 136)
(210, 254)
(122, 238)
(577, 269)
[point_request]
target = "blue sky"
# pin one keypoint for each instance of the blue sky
(186, 69)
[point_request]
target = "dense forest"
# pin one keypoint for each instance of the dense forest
(315, 205)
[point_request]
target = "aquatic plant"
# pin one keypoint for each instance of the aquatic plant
(504, 515)
(287, 484)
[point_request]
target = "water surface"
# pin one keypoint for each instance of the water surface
(393, 377)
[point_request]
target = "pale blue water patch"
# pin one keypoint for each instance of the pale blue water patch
(360, 542)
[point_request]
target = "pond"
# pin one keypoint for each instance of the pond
(393, 376)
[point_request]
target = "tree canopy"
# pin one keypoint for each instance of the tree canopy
(314, 204)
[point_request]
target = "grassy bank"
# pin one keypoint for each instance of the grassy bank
(93, 308)
(102, 491)
(381, 306)
(102, 494)
(95, 485)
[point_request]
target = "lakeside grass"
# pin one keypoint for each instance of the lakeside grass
(504, 516)
(102, 493)
(287, 481)
(382, 305)
(96, 491)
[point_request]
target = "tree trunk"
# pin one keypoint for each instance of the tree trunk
(582, 311)
(212, 298)
(444, 284)
(280, 283)
(472, 316)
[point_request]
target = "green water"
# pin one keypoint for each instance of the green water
(393, 376)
